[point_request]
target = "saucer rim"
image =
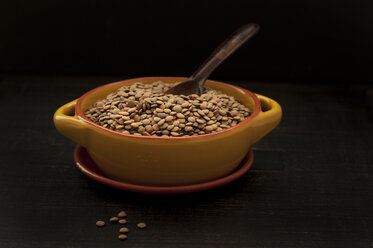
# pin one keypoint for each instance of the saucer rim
(147, 189)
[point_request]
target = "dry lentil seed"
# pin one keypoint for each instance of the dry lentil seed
(123, 230)
(122, 214)
(141, 225)
(127, 127)
(203, 105)
(141, 129)
(162, 115)
(122, 221)
(210, 128)
(100, 223)
(131, 110)
(169, 127)
(135, 125)
(222, 112)
(188, 128)
(122, 236)
(192, 119)
(175, 129)
(114, 219)
(131, 104)
(233, 113)
(169, 118)
(156, 119)
(164, 126)
(128, 122)
(179, 115)
(177, 108)
(148, 128)
(145, 122)
(155, 127)
(185, 105)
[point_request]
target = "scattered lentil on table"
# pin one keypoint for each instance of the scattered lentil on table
(141, 225)
(122, 230)
(122, 221)
(122, 236)
(100, 223)
(144, 109)
(114, 219)
(122, 214)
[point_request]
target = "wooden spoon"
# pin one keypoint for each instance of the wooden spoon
(194, 84)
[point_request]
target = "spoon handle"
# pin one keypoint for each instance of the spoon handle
(226, 48)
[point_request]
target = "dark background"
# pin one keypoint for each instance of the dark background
(299, 40)
(311, 181)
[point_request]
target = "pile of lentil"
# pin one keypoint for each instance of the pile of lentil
(144, 109)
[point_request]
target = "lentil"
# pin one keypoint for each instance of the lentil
(114, 219)
(122, 214)
(122, 236)
(141, 225)
(100, 223)
(122, 221)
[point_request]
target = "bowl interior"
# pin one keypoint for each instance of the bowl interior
(101, 92)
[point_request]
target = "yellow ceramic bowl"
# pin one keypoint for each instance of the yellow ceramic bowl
(167, 161)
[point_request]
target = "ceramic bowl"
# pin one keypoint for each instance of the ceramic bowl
(167, 161)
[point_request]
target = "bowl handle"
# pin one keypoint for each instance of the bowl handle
(267, 119)
(68, 123)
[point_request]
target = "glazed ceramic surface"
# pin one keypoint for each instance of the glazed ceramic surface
(167, 161)
(89, 168)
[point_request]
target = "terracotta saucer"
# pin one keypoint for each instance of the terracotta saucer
(86, 165)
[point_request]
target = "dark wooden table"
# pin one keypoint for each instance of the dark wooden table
(311, 184)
